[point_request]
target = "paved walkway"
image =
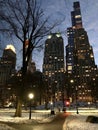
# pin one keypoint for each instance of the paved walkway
(55, 124)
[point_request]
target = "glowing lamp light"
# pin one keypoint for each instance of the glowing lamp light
(30, 96)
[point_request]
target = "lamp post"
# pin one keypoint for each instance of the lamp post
(30, 97)
(76, 102)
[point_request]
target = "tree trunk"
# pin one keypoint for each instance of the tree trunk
(18, 112)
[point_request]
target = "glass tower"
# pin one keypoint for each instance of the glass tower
(80, 63)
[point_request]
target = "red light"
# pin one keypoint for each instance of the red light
(67, 103)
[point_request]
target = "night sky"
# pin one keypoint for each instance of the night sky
(60, 9)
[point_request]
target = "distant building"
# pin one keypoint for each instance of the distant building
(7, 63)
(31, 65)
(80, 63)
(53, 66)
(7, 67)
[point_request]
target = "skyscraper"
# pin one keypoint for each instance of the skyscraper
(7, 67)
(7, 63)
(53, 65)
(80, 62)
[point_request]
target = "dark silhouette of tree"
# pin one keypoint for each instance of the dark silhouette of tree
(38, 86)
(25, 20)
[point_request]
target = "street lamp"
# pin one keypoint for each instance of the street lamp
(76, 102)
(30, 97)
(72, 81)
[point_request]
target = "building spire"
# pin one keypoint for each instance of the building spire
(76, 16)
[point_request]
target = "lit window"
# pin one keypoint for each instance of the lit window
(26, 58)
(73, 27)
(69, 67)
(50, 56)
(49, 37)
(49, 75)
(46, 72)
(91, 56)
(55, 81)
(62, 70)
(55, 57)
(78, 16)
(69, 72)
(58, 35)
(70, 58)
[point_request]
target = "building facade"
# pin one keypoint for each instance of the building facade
(53, 66)
(80, 63)
(7, 67)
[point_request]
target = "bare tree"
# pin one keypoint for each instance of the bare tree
(25, 20)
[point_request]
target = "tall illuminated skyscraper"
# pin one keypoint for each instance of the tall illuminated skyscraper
(53, 65)
(80, 63)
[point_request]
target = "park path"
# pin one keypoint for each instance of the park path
(55, 124)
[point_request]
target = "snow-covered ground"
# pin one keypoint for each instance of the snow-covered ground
(7, 115)
(73, 122)
(78, 122)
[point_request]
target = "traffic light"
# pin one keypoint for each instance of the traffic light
(67, 102)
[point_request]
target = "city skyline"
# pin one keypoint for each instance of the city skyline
(61, 10)
(89, 17)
